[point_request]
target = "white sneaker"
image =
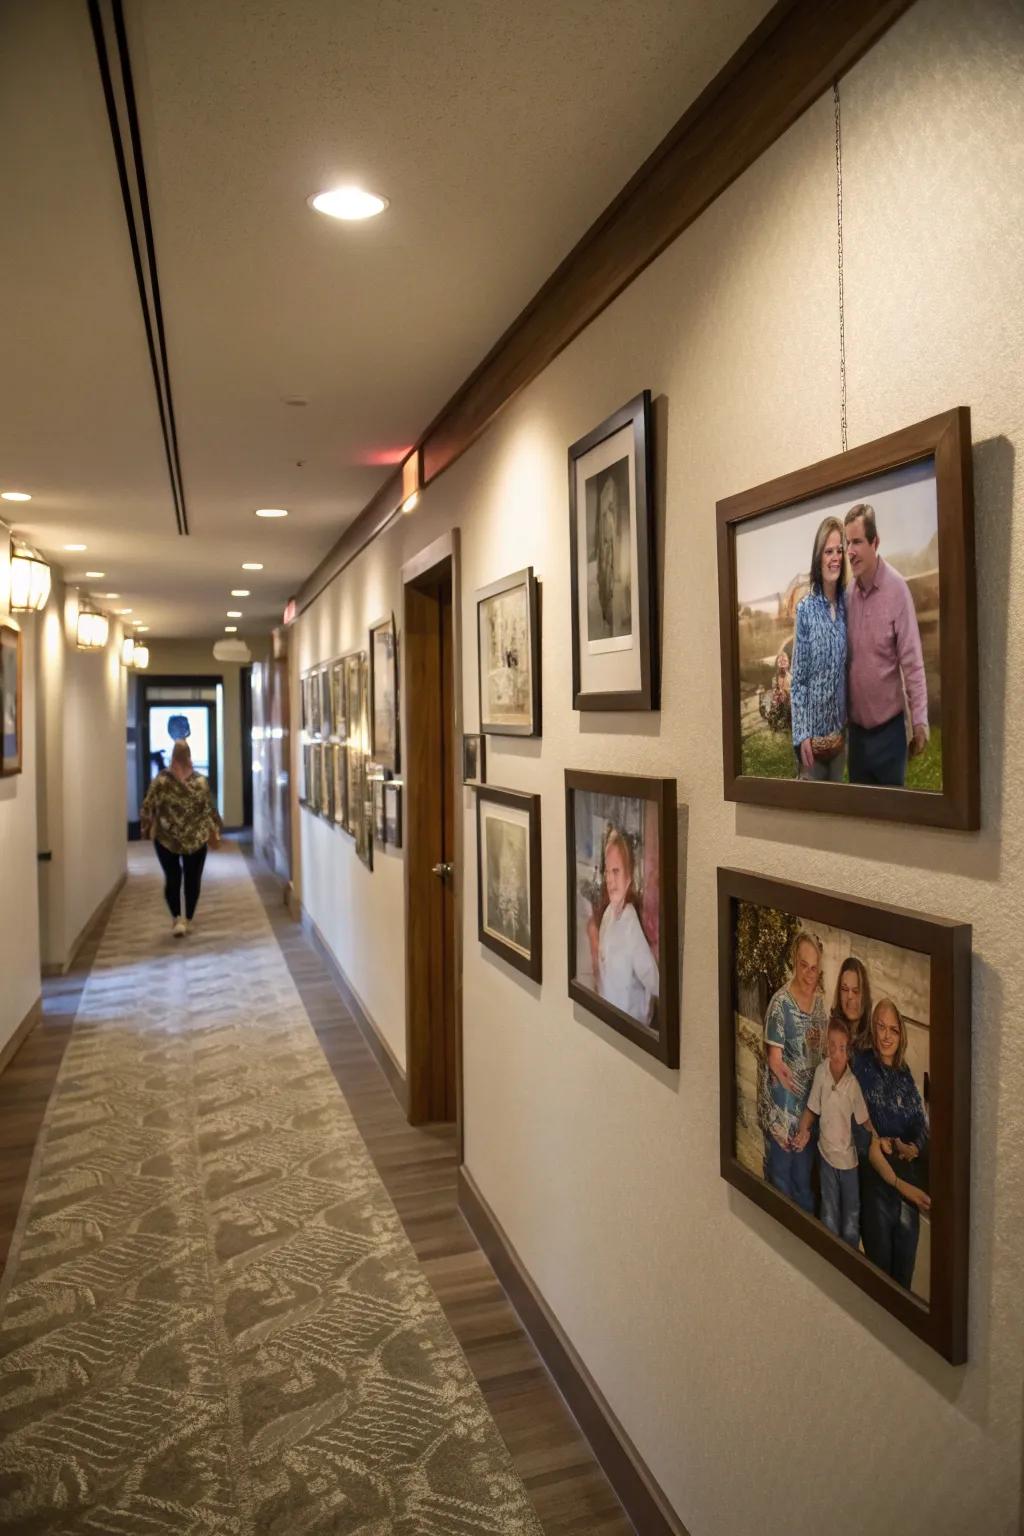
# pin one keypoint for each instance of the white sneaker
(179, 928)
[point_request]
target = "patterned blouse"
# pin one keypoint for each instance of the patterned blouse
(181, 812)
(896, 1109)
(819, 668)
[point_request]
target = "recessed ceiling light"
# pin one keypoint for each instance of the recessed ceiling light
(123, 611)
(271, 512)
(240, 592)
(74, 549)
(15, 495)
(141, 627)
(231, 629)
(251, 565)
(234, 613)
(411, 502)
(95, 575)
(112, 596)
(348, 203)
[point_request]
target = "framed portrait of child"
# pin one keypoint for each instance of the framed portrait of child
(623, 910)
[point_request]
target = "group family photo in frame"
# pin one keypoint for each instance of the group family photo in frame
(848, 622)
(845, 1053)
(612, 576)
(509, 877)
(508, 655)
(622, 906)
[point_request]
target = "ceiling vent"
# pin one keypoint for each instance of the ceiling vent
(231, 650)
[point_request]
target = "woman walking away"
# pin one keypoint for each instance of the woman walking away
(180, 816)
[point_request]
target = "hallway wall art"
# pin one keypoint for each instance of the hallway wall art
(384, 694)
(508, 655)
(11, 702)
(509, 877)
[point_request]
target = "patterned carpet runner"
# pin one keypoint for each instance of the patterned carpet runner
(212, 1321)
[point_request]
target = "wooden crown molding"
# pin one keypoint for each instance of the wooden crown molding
(787, 62)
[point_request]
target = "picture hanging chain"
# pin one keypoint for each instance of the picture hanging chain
(839, 224)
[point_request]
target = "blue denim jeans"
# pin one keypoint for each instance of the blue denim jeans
(891, 1229)
(878, 755)
(790, 1172)
(840, 1201)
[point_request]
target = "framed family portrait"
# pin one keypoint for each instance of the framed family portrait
(474, 759)
(508, 877)
(339, 707)
(508, 655)
(393, 814)
(11, 705)
(384, 694)
(623, 913)
(849, 632)
(845, 1063)
(613, 582)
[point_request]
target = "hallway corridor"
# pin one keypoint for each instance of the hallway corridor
(213, 1320)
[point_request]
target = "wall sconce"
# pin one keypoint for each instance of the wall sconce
(127, 650)
(140, 657)
(30, 580)
(92, 631)
(412, 479)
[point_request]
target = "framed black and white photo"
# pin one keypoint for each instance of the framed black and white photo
(339, 707)
(508, 877)
(508, 656)
(339, 782)
(313, 782)
(315, 718)
(326, 722)
(377, 795)
(393, 814)
(326, 783)
(623, 911)
(384, 694)
(474, 759)
(613, 582)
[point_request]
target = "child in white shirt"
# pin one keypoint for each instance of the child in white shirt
(835, 1096)
(627, 972)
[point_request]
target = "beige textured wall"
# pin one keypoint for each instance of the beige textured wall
(762, 1388)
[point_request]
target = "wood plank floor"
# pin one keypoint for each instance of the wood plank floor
(418, 1167)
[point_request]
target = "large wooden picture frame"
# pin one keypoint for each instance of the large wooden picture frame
(769, 540)
(613, 582)
(509, 877)
(11, 701)
(508, 655)
(623, 940)
(383, 694)
(871, 968)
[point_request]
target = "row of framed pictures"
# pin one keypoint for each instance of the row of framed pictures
(341, 698)
(844, 1031)
(847, 610)
(366, 804)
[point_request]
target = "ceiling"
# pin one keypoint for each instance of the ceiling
(499, 132)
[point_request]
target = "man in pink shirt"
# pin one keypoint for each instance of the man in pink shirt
(886, 664)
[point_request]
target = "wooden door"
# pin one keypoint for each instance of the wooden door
(431, 886)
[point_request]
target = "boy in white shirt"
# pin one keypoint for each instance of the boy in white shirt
(835, 1096)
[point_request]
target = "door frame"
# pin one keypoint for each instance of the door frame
(443, 552)
(173, 680)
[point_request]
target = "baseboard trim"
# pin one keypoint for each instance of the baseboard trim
(21, 1034)
(622, 1464)
(61, 968)
(367, 1028)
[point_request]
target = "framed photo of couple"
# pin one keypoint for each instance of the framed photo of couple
(849, 633)
(845, 1061)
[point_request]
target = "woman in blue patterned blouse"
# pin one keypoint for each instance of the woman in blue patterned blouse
(819, 662)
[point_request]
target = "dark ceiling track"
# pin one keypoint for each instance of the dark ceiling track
(115, 64)
(789, 61)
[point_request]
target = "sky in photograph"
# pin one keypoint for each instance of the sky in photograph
(772, 549)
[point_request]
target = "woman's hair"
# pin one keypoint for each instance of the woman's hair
(825, 530)
(181, 753)
(863, 1035)
(806, 937)
(616, 839)
(901, 1052)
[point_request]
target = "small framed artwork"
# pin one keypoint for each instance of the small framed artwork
(339, 707)
(326, 807)
(849, 632)
(393, 814)
(623, 911)
(315, 716)
(474, 759)
(339, 782)
(613, 583)
(508, 877)
(313, 787)
(845, 1064)
(384, 694)
(324, 680)
(508, 655)
(304, 701)
(307, 771)
(377, 795)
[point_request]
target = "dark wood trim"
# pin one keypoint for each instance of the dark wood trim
(21, 1033)
(637, 413)
(617, 1456)
(663, 1042)
(382, 1052)
(786, 63)
(524, 578)
(532, 964)
(947, 439)
(941, 1322)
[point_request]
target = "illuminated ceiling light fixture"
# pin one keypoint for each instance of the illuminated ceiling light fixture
(348, 203)
(233, 613)
(412, 479)
(121, 612)
(141, 629)
(30, 580)
(95, 575)
(271, 511)
(15, 495)
(140, 658)
(75, 549)
(92, 631)
(231, 629)
(251, 565)
(240, 592)
(127, 650)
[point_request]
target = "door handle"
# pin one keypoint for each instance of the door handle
(443, 871)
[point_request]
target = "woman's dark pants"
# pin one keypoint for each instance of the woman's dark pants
(173, 866)
(889, 1228)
